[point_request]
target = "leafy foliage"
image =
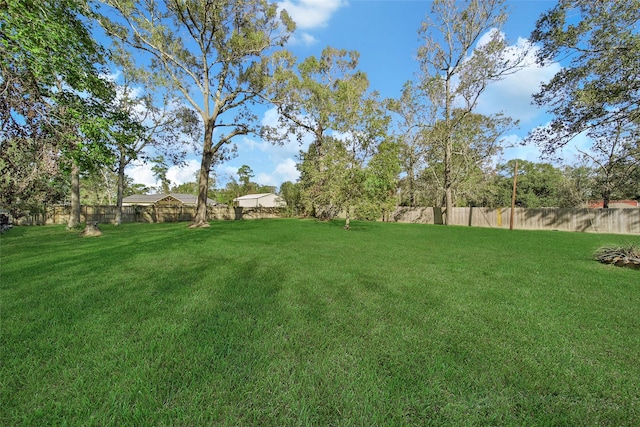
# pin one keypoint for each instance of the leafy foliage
(149, 121)
(53, 109)
(615, 158)
(456, 69)
(290, 193)
(217, 48)
(599, 91)
(327, 98)
(380, 182)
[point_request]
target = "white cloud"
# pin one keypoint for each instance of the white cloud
(488, 36)
(515, 150)
(228, 170)
(141, 174)
(111, 75)
(272, 164)
(224, 173)
(570, 154)
(291, 146)
(288, 169)
(251, 144)
(513, 94)
(186, 173)
(304, 39)
(284, 171)
(309, 14)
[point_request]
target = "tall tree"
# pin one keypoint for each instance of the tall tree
(100, 186)
(321, 98)
(212, 52)
(615, 157)
(290, 193)
(245, 173)
(598, 91)
(363, 123)
(160, 169)
(462, 52)
(475, 141)
(53, 99)
(305, 96)
(413, 119)
(84, 132)
(148, 124)
(381, 181)
(579, 186)
(539, 184)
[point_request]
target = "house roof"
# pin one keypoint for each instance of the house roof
(253, 196)
(615, 203)
(150, 199)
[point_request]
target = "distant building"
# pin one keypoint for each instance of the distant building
(172, 199)
(615, 204)
(265, 200)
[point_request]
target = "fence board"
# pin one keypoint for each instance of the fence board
(615, 220)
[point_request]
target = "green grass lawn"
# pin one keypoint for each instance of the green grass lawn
(289, 322)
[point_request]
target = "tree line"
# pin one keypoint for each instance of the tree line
(193, 71)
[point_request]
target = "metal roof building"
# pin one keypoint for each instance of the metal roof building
(265, 200)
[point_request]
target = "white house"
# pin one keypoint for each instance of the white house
(266, 200)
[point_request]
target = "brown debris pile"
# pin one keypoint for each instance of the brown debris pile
(627, 256)
(91, 230)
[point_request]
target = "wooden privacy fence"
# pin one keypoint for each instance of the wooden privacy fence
(616, 220)
(152, 214)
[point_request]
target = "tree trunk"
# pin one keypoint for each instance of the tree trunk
(203, 178)
(74, 214)
(606, 197)
(448, 199)
(347, 222)
(412, 184)
(121, 166)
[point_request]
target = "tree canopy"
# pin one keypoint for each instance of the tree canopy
(457, 66)
(598, 93)
(328, 99)
(213, 53)
(53, 110)
(202, 71)
(599, 88)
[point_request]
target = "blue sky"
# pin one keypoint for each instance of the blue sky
(385, 33)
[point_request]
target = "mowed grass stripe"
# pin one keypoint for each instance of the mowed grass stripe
(298, 322)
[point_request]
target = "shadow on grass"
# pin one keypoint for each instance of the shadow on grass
(141, 341)
(162, 325)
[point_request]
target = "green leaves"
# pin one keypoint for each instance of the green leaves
(328, 99)
(212, 53)
(600, 84)
(462, 52)
(55, 96)
(598, 91)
